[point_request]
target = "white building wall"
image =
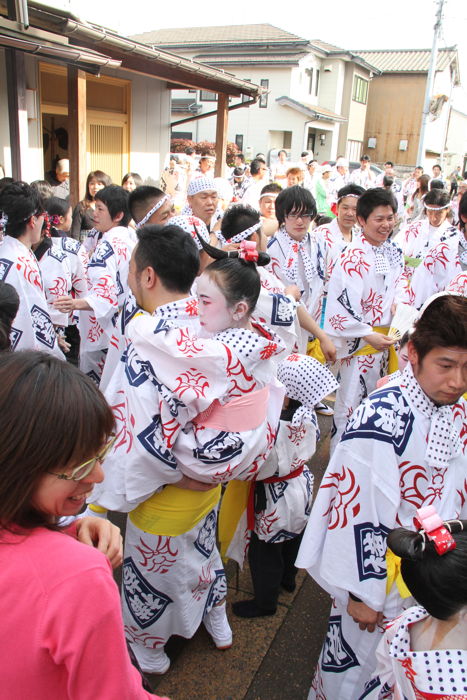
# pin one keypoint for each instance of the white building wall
(436, 130)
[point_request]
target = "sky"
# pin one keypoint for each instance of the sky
(362, 24)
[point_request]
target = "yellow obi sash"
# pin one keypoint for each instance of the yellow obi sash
(370, 350)
(174, 511)
(393, 564)
(234, 504)
(313, 349)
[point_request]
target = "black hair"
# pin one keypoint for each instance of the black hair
(56, 206)
(436, 165)
(303, 154)
(350, 189)
(9, 305)
(115, 199)
(240, 280)
(437, 198)
(238, 172)
(436, 184)
(189, 150)
(404, 340)
(282, 150)
(443, 324)
(438, 582)
(389, 162)
(272, 188)
(255, 166)
(172, 254)
(237, 218)
(388, 181)
(296, 200)
(19, 201)
(240, 155)
(138, 180)
(142, 199)
(376, 197)
(321, 219)
(463, 212)
(5, 181)
(419, 167)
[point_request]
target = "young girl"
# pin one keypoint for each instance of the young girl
(424, 651)
(83, 213)
(131, 181)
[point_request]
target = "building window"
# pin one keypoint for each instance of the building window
(207, 96)
(360, 90)
(354, 150)
(182, 135)
(245, 98)
(263, 100)
(317, 83)
(239, 141)
(309, 72)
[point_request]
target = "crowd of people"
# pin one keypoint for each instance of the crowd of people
(164, 354)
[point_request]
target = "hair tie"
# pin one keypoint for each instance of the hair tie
(152, 211)
(54, 219)
(434, 529)
(248, 251)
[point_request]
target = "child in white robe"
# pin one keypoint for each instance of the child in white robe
(423, 653)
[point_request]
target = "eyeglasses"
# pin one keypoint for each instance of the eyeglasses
(294, 217)
(83, 470)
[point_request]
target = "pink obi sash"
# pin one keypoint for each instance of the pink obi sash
(245, 412)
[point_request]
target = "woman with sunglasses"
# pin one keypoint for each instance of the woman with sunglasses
(61, 629)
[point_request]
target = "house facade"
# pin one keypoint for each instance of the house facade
(395, 107)
(107, 109)
(316, 93)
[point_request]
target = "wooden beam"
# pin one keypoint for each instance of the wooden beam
(17, 113)
(77, 133)
(221, 133)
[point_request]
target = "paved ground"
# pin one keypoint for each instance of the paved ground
(272, 658)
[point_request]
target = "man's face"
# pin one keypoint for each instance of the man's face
(102, 219)
(437, 216)
(205, 164)
(341, 169)
(347, 212)
(378, 227)
(267, 207)
(238, 162)
(418, 173)
(312, 168)
(436, 171)
(364, 164)
(162, 215)
(442, 373)
(297, 225)
(134, 281)
(62, 175)
(282, 156)
(292, 180)
(204, 204)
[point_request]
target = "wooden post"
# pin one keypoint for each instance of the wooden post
(17, 114)
(221, 133)
(77, 133)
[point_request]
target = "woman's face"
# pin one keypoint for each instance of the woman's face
(129, 184)
(94, 187)
(56, 497)
(214, 314)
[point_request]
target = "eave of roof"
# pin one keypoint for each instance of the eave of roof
(198, 37)
(409, 60)
(311, 111)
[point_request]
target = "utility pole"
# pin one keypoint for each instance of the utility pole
(429, 83)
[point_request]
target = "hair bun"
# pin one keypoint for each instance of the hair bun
(406, 544)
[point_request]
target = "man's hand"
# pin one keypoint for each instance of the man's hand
(378, 341)
(328, 348)
(193, 485)
(103, 535)
(64, 304)
(364, 616)
(62, 344)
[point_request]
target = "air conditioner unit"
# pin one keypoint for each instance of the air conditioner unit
(372, 142)
(403, 145)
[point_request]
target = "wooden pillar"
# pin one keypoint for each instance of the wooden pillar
(17, 114)
(221, 133)
(77, 133)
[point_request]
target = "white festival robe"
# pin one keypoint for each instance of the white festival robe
(358, 300)
(377, 477)
(332, 242)
(78, 262)
(416, 675)
(56, 278)
(107, 275)
(32, 328)
(458, 285)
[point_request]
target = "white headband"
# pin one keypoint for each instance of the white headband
(269, 194)
(434, 208)
(152, 211)
(357, 196)
(239, 237)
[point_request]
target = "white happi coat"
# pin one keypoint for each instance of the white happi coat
(403, 673)
(107, 275)
(440, 264)
(377, 477)
(32, 328)
(56, 278)
(280, 247)
(458, 285)
(78, 262)
(332, 242)
(277, 310)
(358, 299)
(416, 239)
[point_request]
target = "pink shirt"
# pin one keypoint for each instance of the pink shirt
(61, 633)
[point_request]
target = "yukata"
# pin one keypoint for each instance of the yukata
(300, 263)
(56, 277)
(107, 276)
(399, 452)
(458, 285)
(416, 675)
(362, 288)
(440, 264)
(277, 310)
(32, 328)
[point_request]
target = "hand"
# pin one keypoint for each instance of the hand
(193, 485)
(103, 535)
(62, 344)
(293, 291)
(378, 341)
(328, 348)
(364, 616)
(64, 304)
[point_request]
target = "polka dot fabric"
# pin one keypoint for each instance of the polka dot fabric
(201, 184)
(191, 224)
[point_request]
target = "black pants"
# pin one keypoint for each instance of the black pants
(72, 337)
(270, 565)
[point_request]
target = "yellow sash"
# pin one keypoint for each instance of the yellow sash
(174, 511)
(313, 349)
(393, 564)
(370, 350)
(234, 503)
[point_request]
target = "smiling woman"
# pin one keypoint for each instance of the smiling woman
(55, 425)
